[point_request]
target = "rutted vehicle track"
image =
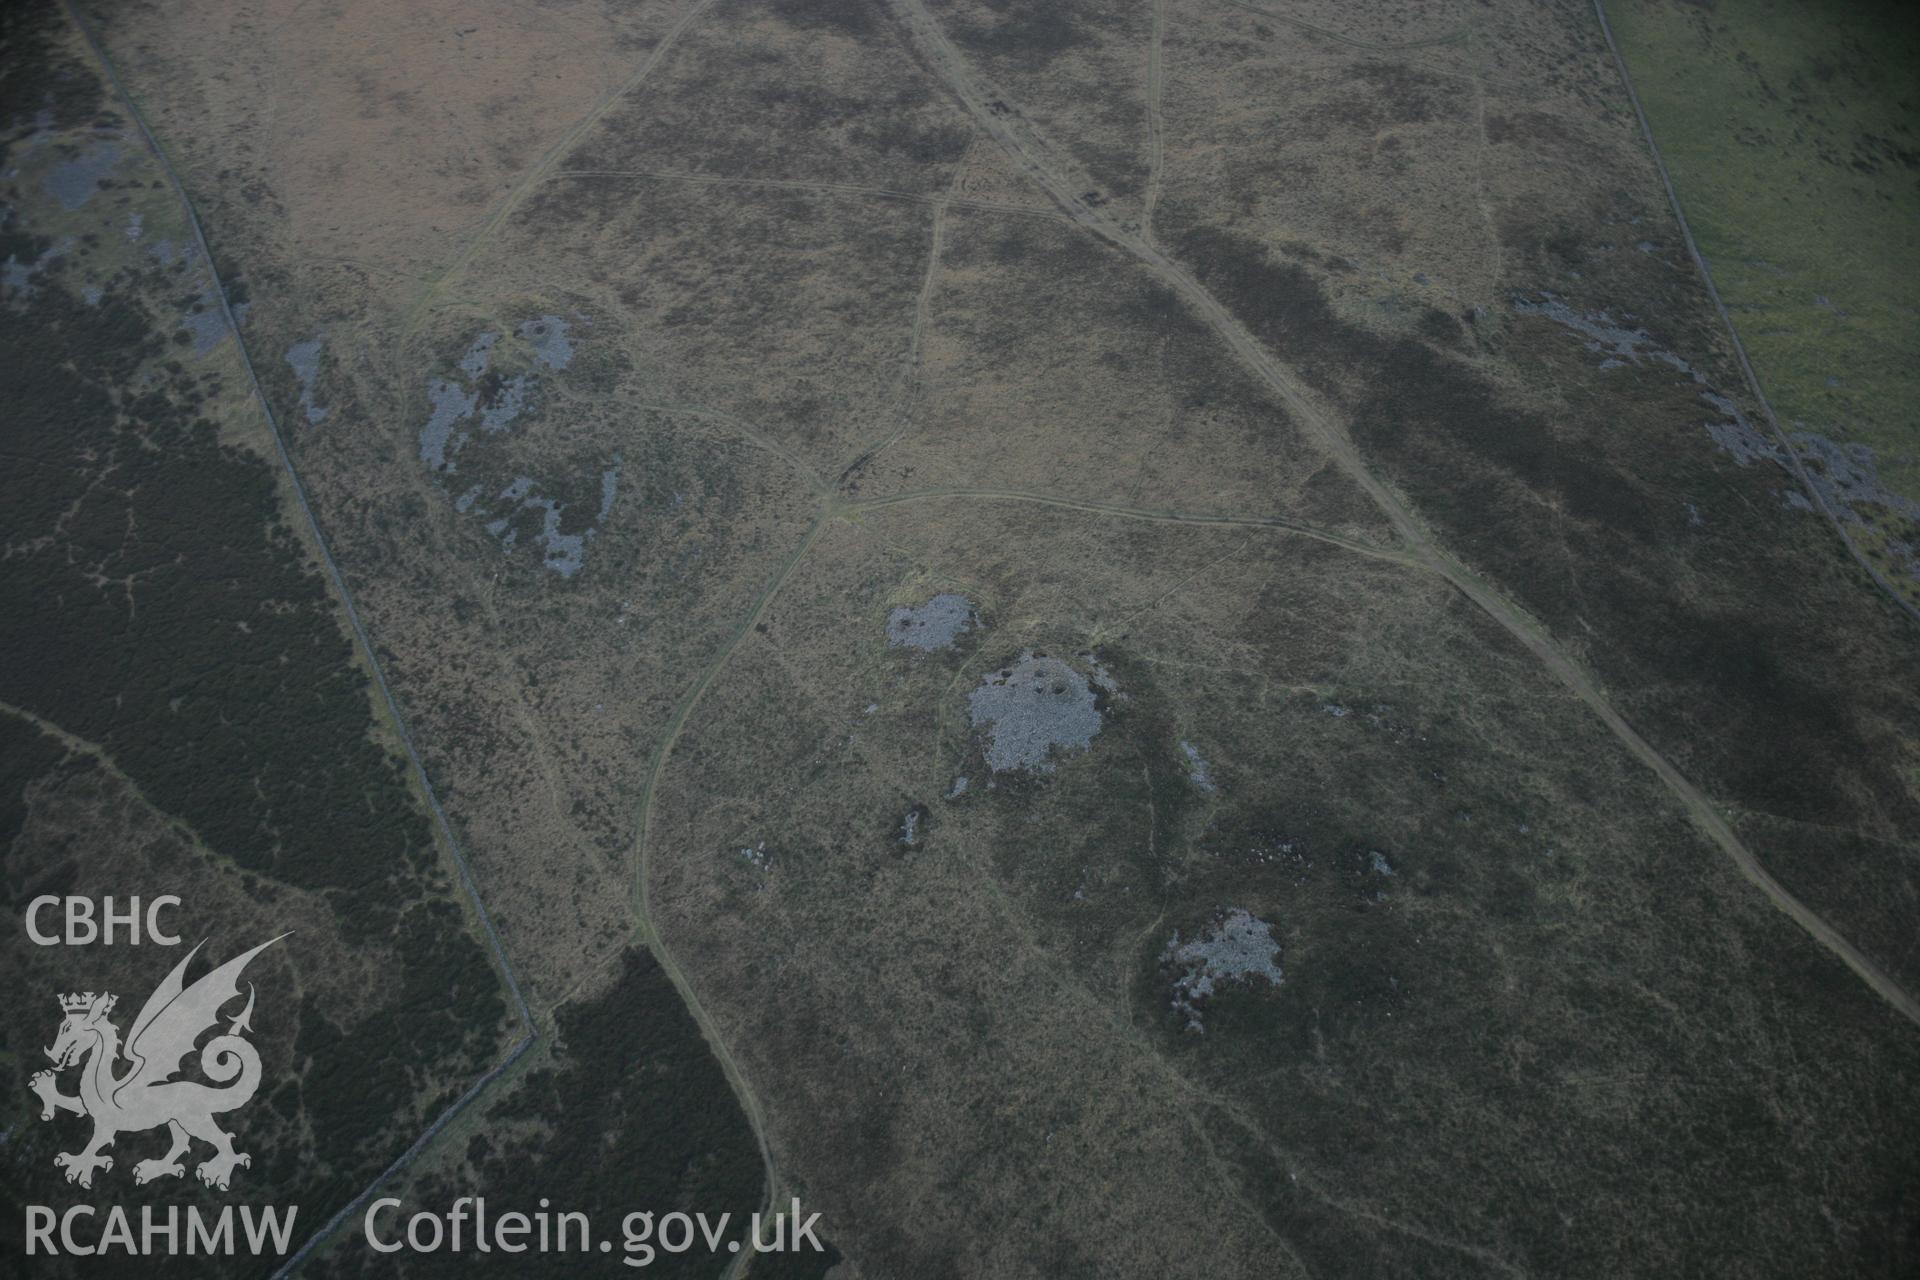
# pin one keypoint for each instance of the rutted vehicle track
(1030, 154)
(553, 155)
(530, 1035)
(1416, 546)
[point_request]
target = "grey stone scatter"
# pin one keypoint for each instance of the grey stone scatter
(1237, 948)
(1736, 435)
(609, 490)
(1847, 475)
(455, 401)
(304, 358)
(1199, 772)
(1907, 555)
(479, 354)
(75, 181)
(1601, 331)
(18, 276)
(460, 400)
(1743, 442)
(547, 335)
(958, 789)
(564, 553)
(452, 404)
(934, 625)
(207, 324)
(1031, 707)
(514, 395)
(910, 825)
(1379, 863)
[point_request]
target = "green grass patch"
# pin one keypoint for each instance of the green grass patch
(1790, 132)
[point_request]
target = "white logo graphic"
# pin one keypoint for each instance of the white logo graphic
(146, 1097)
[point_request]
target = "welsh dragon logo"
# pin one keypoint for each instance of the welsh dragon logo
(146, 1096)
